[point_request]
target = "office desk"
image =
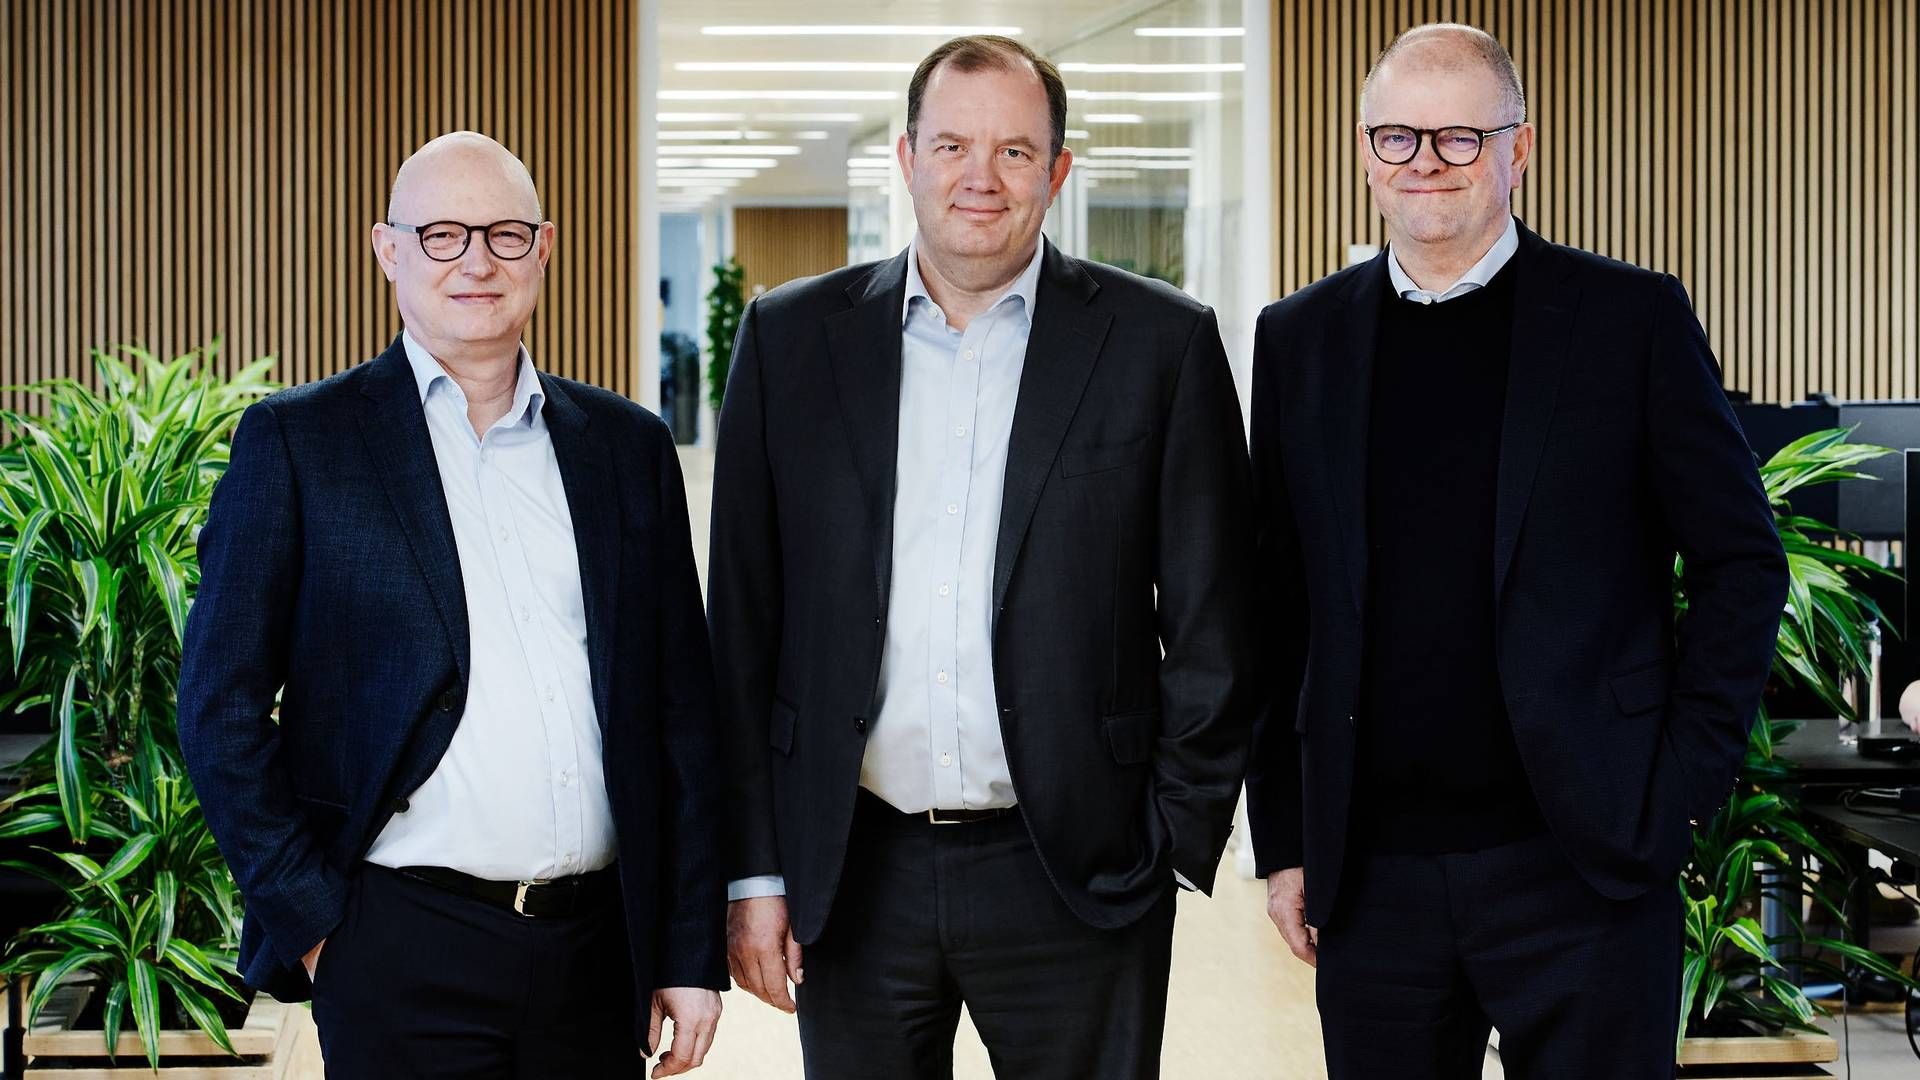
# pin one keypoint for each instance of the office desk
(1819, 759)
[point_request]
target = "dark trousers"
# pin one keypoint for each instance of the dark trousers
(1425, 953)
(929, 917)
(417, 981)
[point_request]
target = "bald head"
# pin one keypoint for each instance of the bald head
(460, 158)
(1448, 49)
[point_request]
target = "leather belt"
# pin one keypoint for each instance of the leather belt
(533, 898)
(962, 817)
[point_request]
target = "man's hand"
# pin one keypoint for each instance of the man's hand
(761, 952)
(695, 1014)
(311, 961)
(1287, 907)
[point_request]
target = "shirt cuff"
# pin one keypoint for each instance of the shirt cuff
(1184, 883)
(750, 887)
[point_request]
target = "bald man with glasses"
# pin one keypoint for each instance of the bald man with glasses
(1477, 456)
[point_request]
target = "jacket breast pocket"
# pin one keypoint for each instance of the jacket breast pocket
(1102, 457)
(780, 727)
(1130, 735)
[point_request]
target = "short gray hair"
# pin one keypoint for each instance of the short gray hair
(1453, 47)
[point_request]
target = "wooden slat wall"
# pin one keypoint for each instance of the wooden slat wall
(178, 170)
(1762, 152)
(776, 244)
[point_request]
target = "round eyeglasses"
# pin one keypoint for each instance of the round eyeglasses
(445, 241)
(1397, 144)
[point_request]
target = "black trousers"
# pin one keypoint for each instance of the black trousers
(929, 917)
(417, 981)
(1425, 953)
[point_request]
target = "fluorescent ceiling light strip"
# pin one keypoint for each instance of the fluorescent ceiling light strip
(869, 163)
(717, 163)
(715, 174)
(1190, 31)
(1139, 95)
(809, 117)
(759, 149)
(1114, 118)
(1152, 69)
(877, 149)
(699, 117)
(1142, 163)
(886, 67)
(695, 181)
(867, 181)
(1076, 133)
(807, 136)
(1142, 151)
(708, 134)
(857, 30)
(779, 95)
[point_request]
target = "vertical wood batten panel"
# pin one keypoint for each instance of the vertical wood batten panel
(1764, 154)
(185, 170)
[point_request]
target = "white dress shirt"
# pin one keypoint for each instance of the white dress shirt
(521, 793)
(1476, 276)
(935, 741)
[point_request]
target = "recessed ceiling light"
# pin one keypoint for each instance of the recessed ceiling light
(717, 163)
(1152, 69)
(1114, 118)
(890, 67)
(1142, 151)
(778, 95)
(1189, 31)
(809, 118)
(759, 149)
(1140, 95)
(857, 30)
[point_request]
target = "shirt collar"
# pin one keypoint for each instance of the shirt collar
(1476, 276)
(1026, 286)
(528, 398)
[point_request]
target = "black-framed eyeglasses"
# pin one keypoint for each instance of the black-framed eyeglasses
(1397, 144)
(445, 241)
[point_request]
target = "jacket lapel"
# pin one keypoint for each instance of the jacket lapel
(863, 345)
(587, 475)
(395, 432)
(1347, 384)
(1061, 350)
(1543, 306)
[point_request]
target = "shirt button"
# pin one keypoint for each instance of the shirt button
(566, 779)
(944, 590)
(946, 760)
(953, 508)
(941, 678)
(960, 433)
(549, 694)
(968, 355)
(505, 536)
(525, 615)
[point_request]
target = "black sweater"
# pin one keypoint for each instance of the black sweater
(1438, 768)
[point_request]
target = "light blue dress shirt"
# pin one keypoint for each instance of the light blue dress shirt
(1476, 276)
(520, 793)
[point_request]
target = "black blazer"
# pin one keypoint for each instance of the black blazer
(1618, 450)
(1126, 471)
(329, 576)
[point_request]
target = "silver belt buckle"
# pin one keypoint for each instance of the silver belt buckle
(933, 815)
(520, 895)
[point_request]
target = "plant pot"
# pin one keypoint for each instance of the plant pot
(265, 1044)
(1787, 1048)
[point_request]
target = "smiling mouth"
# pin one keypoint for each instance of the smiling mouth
(471, 298)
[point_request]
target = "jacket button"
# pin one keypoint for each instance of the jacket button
(448, 699)
(399, 806)
(860, 724)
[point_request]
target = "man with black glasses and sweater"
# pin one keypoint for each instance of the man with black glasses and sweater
(1477, 456)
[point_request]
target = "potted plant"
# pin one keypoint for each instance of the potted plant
(1731, 983)
(726, 301)
(100, 501)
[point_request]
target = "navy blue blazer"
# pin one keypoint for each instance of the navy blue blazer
(329, 577)
(1618, 451)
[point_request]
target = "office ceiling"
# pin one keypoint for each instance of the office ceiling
(718, 116)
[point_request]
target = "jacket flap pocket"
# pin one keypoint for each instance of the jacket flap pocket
(1130, 735)
(1642, 689)
(1099, 457)
(780, 731)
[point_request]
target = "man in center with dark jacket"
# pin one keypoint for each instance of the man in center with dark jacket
(981, 530)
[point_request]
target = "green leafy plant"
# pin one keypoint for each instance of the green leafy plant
(725, 303)
(100, 501)
(1747, 851)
